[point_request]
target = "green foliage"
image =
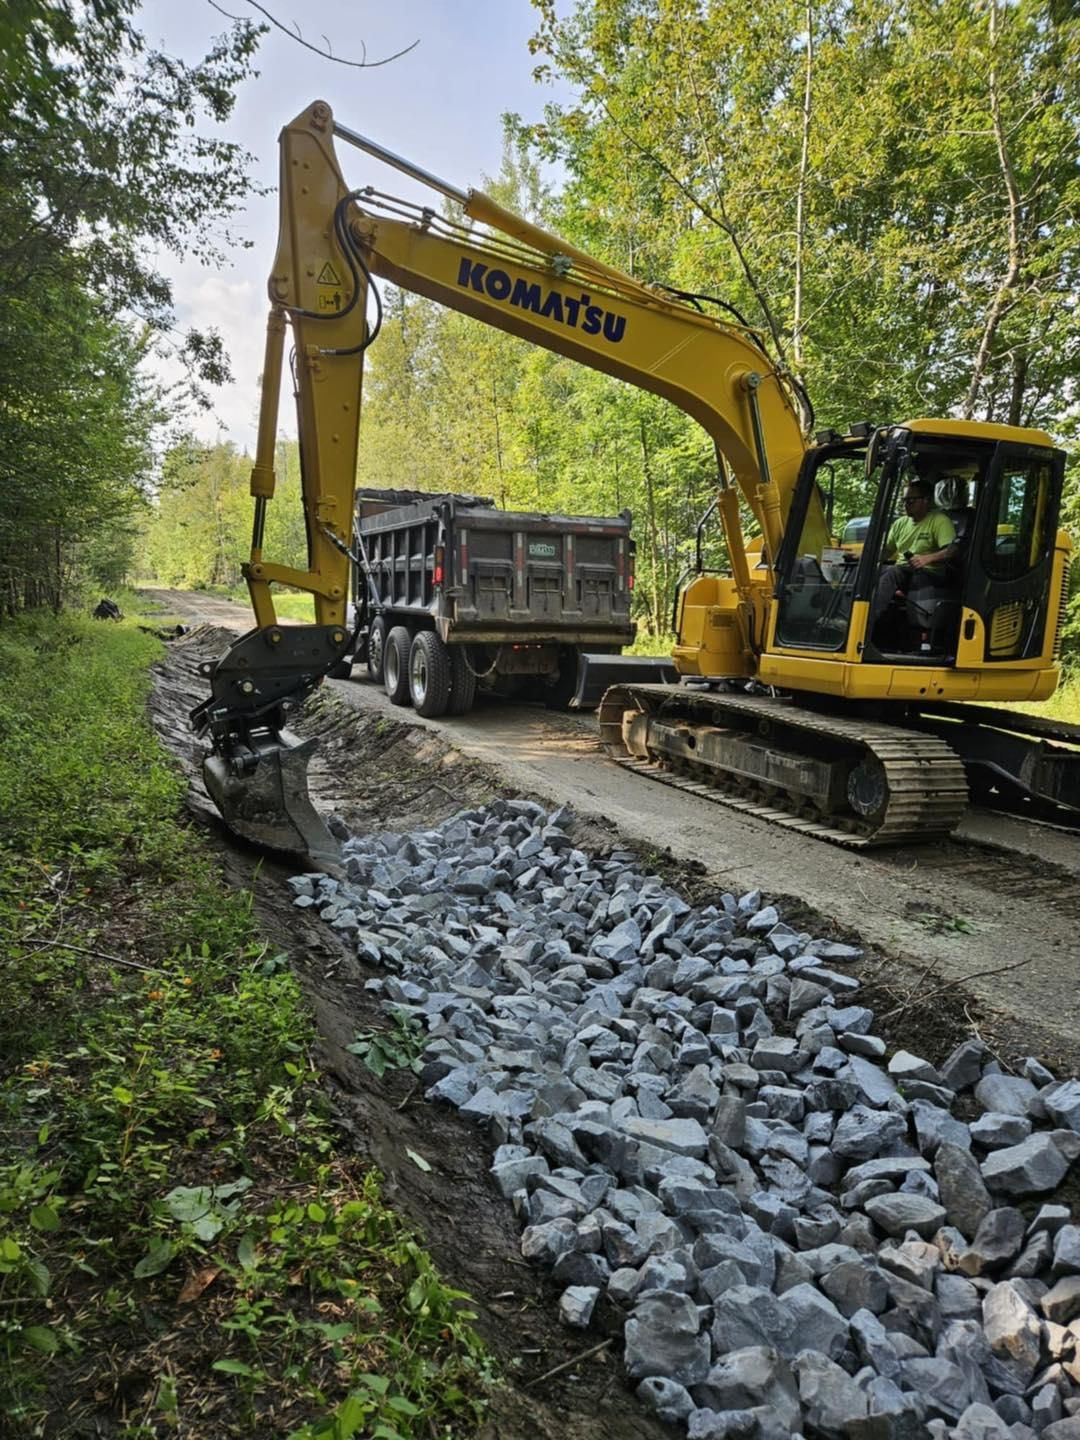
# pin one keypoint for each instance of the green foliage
(103, 163)
(165, 1129)
(398, 1048)
(887, 192)
(199, 527)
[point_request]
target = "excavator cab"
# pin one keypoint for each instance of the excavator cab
(988, 603)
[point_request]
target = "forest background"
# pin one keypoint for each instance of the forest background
(888, 192)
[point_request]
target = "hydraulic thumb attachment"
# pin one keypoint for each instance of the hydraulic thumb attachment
(256, 773)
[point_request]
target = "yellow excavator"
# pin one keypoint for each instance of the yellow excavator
(805, 696)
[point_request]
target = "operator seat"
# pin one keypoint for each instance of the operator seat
(951, 495)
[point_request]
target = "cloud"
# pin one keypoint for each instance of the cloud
(237, 309)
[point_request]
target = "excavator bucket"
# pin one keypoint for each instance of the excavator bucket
(596, 673)
(270, 805)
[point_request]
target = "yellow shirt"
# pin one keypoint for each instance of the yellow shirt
(935, 531)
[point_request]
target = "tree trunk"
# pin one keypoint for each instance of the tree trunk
(1004, 298)
(800, 196)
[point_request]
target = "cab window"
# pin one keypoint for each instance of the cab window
(1015, 538)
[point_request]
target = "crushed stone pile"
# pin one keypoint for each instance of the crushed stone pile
(701, 1133)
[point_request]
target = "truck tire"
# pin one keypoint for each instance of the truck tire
(462, 681)
(376, 649)
(429, 675)
(560, 692)
(396, 665)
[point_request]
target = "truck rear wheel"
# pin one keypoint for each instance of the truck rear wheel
(376, 649)
(429, 675)
(396, 665)
(462, 681)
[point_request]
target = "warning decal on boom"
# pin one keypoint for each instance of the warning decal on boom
(328, 275)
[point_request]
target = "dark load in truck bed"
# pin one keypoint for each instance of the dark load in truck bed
(453, 594)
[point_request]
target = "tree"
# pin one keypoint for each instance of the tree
(102, 160)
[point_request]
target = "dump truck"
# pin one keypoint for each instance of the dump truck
(453, 595)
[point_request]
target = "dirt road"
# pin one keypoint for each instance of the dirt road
(993, 914)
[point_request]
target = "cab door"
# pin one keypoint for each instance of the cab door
(1009, 563)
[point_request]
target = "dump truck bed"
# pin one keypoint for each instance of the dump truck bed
(484, 575)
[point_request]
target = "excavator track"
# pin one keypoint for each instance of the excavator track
(925, 791)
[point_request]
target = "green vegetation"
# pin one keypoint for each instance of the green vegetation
(104, 161)
(182, 1249)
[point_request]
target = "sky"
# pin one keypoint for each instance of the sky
(440, 105)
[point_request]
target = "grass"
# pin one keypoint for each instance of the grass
(183, 1248)
(1064, 704)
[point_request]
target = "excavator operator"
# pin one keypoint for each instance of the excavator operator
(925, 537)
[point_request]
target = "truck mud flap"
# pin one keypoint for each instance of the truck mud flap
(270, 806)
(596, 673)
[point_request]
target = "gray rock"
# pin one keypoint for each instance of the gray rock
(904, 1066)
(915, 1311)
(1067, 1251)
(963, 1068)
(1030, 1168)
(831, 1400)
(576, 1305)
(1045, 1407)
(774, 1052)
(706, 1424)
(749, 1315)
(873, 1345)
(663, 1338)
(856, 1287)
(873, 1047)
(1062, 1102)
(935, 1127)
(863, 1133)
(957, 1298)
(913, 1260)
(669, 1401)
(815, 1322)
(961, 1187)
(729, 1121)
(1067, 1428)
(1011, 1326)
(545, 1243)
(1061, 1303)
(981, 1422)
(805, 994)
(998, 1240)
(1050, 1218)
(995, 1129)
(754, 1375)
(875, 1087)
(941, 1383)
(681, 1137)
(581, 1267)
(896, 1214)
(1011, 1094)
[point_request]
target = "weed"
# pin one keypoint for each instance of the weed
(399, 1048)
(945, 924)
(168, 1154)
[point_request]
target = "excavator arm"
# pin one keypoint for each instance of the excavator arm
(506, 272)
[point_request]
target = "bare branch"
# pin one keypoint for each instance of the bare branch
(295, 33)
